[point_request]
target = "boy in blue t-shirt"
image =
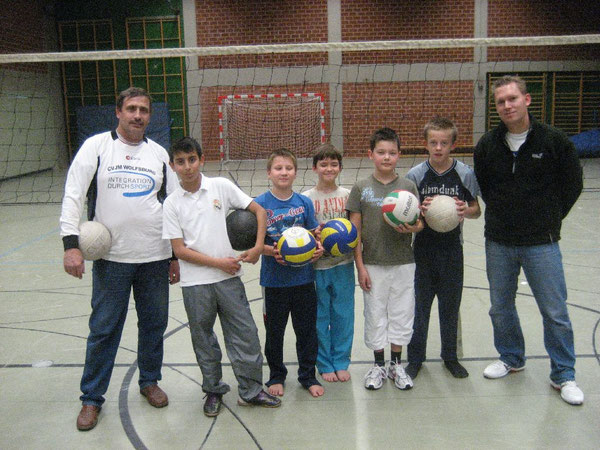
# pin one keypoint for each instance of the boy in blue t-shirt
(288, 290)
(439, 256)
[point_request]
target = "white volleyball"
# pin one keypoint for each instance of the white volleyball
(94, 240)
(441, 215)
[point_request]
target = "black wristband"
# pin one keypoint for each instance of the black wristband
(70, 241)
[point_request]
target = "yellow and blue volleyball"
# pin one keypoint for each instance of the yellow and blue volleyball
(296, 246)
(400, 207)
(339, 236)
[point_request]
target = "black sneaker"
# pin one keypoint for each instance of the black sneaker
(262, 399)
(456, 369)
(212, 405)
(412, 369)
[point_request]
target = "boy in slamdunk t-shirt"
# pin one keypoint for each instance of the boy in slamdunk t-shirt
(439, 256)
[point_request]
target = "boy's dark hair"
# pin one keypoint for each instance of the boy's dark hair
(284, 153)
(440, 124)
(185, 145)
(326, 151)
(130, 93)
(507, 79)
(384, 134)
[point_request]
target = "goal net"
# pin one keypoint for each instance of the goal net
(252, 125)
(243, 102)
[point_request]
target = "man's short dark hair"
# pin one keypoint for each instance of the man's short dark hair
(326, 151)
(130, 93)
(185, 145)
(384, 134)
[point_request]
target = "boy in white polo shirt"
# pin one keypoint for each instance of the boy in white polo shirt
(194, 220)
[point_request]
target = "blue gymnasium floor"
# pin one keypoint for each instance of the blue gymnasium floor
(43, 327)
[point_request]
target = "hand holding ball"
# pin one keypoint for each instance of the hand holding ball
(441, 214)
(296, 246)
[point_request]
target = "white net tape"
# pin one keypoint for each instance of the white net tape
(362, 85)
(303, 48)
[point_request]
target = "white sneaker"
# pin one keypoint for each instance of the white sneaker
(569, 392)
(375, 377)
(500, 369)
(401, 379)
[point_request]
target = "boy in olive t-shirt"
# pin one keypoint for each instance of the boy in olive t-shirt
(384, 262)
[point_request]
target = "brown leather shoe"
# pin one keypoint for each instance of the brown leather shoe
(88, 417)
(155, 396)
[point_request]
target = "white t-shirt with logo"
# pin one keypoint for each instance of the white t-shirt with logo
(199, 218)
(129, 178)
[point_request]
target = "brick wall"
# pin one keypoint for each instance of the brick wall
(23, 31)
(252, 22)
(378, 20)
(405, 107)
(543, 18)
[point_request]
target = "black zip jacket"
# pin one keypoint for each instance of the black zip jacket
(527, 196)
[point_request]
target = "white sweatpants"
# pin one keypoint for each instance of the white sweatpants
(389, 305)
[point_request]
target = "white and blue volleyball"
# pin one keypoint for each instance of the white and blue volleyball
(339, 236)
(296, 246)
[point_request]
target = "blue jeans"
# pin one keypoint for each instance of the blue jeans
(542, 265)
(112, 283)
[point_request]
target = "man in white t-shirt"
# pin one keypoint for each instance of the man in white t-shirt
(126, 177)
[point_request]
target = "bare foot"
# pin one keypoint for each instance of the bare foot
(276, 389)
(342, 375)
(329, 376)
(316, 390)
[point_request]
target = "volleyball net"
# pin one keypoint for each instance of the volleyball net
(242, 102)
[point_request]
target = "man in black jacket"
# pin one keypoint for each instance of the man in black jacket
(530, 177)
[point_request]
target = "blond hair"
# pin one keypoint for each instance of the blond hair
(440, 124)
(507, 79)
